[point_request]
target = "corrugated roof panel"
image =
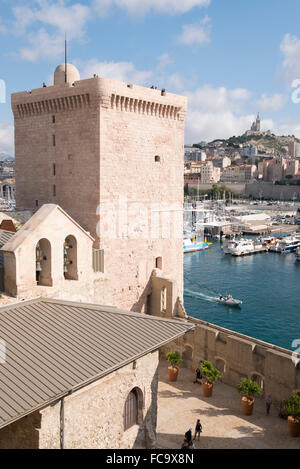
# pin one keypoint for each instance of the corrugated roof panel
(56, 346)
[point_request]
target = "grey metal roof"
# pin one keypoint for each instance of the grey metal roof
(4, 237)
(54, 347)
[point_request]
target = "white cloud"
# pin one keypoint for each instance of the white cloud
(271, 103)
(56, 16)
(290, 48)
(141, 7)
(123, 71)
(196, 33)
(216, 113)
(6, 138)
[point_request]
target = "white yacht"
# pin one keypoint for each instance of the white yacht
(288, 244)
(237, 247)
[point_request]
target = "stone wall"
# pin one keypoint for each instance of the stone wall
(239, 356)
(268, 190)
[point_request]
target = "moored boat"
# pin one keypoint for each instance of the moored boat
(285, 245)
(243, 246)
(191, 245)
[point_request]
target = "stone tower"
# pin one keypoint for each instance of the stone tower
(111, 155)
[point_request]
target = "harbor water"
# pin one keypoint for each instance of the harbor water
(267, 283)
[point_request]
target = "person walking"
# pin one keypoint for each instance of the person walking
(198, 429)
(188, 435)
(268, 404)
(198, 376)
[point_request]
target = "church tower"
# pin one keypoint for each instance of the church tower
(258, 122)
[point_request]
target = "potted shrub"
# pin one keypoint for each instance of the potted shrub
(292, 409)
(211, 374)
(248, 389)
(174, 358)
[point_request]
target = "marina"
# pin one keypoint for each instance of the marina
(267, 285)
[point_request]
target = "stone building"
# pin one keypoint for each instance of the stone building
(111, 154)
(79, 375)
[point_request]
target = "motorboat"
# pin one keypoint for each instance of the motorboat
(287, 244)
(229, 300)
(191, 245)
(241, 247)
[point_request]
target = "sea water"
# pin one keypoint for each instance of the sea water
(267, 283)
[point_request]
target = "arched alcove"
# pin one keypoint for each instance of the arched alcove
(187, 356)
(220, 364)
(43, 263)
(70, 258)
(259, 379)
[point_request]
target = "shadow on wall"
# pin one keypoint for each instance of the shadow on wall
(146, 437)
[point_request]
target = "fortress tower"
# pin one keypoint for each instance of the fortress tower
(111, 155)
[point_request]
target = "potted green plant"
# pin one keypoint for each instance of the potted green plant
(211, 374)
(292, 409)
(248, 389)
(174, 358)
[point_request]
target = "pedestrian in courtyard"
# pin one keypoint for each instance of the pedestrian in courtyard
(268, 404)
(188, 435)
(198, 429)
(198, 375)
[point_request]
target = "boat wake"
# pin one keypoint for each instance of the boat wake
(194, 294)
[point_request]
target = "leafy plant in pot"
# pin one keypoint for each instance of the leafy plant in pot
(211, 374)
(292, 408)
(174, 358)
(248, 389)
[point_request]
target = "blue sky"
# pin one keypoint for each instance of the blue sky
(231, 58)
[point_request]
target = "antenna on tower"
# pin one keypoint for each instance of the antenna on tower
(66, 58)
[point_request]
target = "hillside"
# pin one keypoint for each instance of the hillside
(265, 143)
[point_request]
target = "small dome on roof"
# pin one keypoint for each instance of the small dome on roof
(72, 74)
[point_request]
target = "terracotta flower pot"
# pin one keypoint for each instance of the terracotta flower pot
(294, 426)
(173, 373)
(247, 405)
(207, 389)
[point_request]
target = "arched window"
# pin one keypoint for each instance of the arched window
(70, 258)
(158, 263)
(163, 299)
(133, 408)
(43, 263)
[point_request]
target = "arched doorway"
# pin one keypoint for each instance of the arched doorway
(43, 263)
(133, 409)
(70, 258)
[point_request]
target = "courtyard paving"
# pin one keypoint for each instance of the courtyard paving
(224, 425)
